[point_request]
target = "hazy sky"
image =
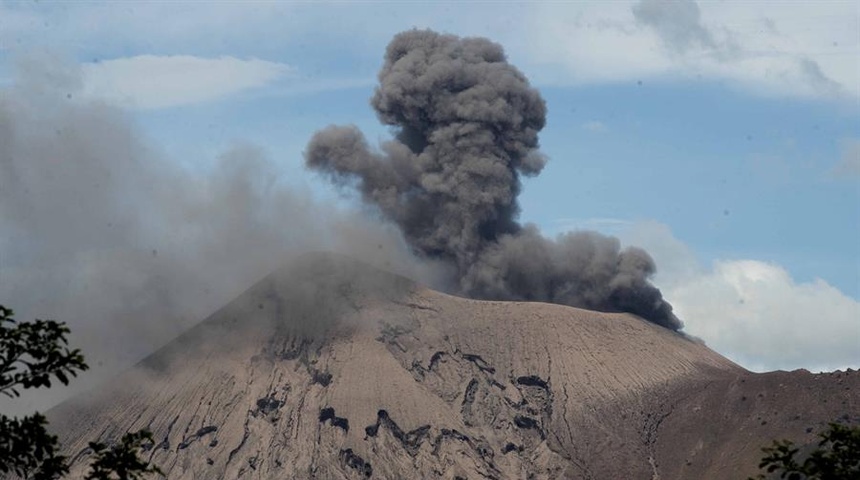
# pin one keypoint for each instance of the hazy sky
(723, 137)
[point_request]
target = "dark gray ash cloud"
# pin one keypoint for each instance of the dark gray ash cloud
(466, 129)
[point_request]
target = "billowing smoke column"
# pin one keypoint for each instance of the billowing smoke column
(467, 126)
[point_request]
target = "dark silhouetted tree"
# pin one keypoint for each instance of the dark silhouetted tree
(32, 354)
(837, 457)
(121, 461)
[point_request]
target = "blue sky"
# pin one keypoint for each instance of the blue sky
(724, 137)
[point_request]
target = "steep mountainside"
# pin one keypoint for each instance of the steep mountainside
(331, 369)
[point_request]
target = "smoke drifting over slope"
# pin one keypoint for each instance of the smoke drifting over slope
(467, 126)
(101, 230)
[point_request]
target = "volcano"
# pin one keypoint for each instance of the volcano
(330, 368)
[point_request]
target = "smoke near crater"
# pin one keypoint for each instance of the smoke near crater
(102, 229)
(466, 129)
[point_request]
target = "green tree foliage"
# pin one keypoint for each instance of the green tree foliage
(27, 450)
(32, 355)
(837, 457)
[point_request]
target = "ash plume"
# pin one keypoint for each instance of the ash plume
(466, 128)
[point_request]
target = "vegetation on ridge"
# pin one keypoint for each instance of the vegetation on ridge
(837, 457)
(31, 355)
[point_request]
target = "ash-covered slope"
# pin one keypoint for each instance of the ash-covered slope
(331, 369)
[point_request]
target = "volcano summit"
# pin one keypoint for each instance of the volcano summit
(466, 126)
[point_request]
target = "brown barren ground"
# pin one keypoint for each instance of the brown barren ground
(331, 369)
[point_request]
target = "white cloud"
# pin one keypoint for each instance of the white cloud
(784, 49)
(593, 43)
(677, 23)
(772, 48)
(150, 25)
(754, 312)
(151, 82)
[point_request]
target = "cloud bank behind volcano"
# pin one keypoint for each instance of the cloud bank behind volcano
(466, 128)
